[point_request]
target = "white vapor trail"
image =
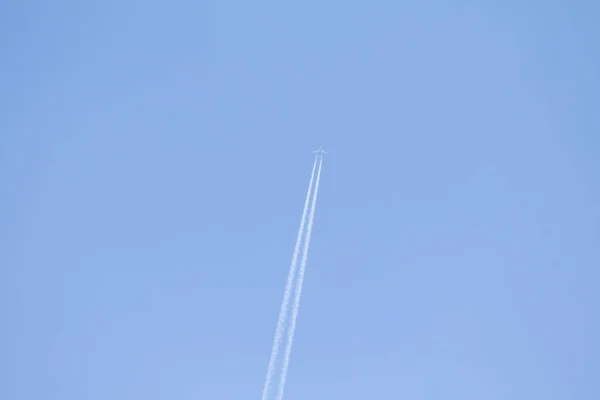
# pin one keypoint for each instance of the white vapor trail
(296, 305)
(288, 291)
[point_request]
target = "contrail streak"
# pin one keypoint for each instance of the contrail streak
(296, 305)
(288, 291)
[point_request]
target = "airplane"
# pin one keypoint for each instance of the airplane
(320, 151)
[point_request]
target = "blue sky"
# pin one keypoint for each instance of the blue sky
(154, 157)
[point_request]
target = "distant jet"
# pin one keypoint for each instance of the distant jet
(320, 151)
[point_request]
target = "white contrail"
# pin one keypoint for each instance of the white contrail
(288, 291)
(296, 305)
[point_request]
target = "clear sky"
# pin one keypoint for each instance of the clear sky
(153, 162)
